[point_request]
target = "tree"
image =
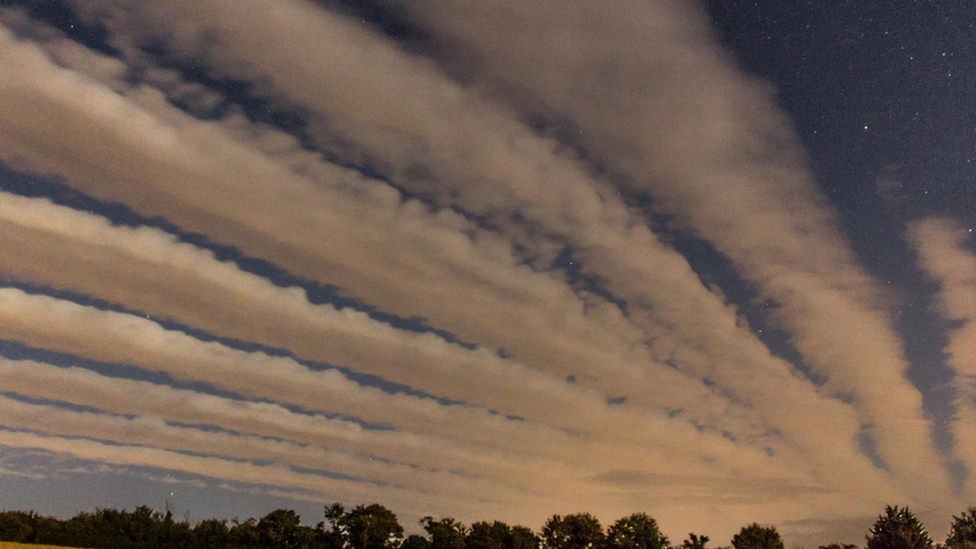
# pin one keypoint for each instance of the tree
(244, 534)
(638, 531)
(365, 527)
(47, 531)
(328, 539)
(140, 526)
(15, 526)
(211, 533)
(839, 546)
(898, 529)
(488, 535)
(283, 528)
(579, 531)
(694, 542)
(169, 533)
(81, 531)
(445, 533)
(335, 514)
(962, 534)
(524, 538)
(414, 541)
(755, 536)
(498, 535)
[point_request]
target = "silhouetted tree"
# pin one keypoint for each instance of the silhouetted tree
(962, 534)
(498, 535)
(524, 538)
(415, 542)
(283, 528)
(211, 533)
(638, 531)
(898, 529)
(80, 531)
(839, 546)
(579, 531)
(445, 533)
(327, 539)
(488, 535)
(170, 534)
(365, 527)
(694, 542)
(47, 530)
(140, 527)
(244, 534)
(16, 526)
(755, 536)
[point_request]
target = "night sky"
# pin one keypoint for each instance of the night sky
(491, 260)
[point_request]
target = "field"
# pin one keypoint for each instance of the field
(14, 545)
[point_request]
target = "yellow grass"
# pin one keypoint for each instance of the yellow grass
(14, 545)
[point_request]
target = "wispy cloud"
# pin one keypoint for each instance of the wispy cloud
(947, 257)
(728, 166)
(676, 298)
(113, 337)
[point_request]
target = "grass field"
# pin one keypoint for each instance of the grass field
(14, 545)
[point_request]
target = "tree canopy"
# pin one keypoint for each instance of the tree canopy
(694, 542)
(498, 535)
(755, 536)
(838, 546)
(365, 527)
(376, 527)
(445, 533)
(579, 531)
(638, 531)
(962, 533)
(898, 528)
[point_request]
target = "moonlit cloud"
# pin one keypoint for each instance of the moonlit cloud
(941, 245)
(443, 288)
(728, 167)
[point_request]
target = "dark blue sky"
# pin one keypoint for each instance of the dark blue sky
(880, 94)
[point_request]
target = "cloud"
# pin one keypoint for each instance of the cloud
(568, 335)
(152, 432)
(19, 473)
(282, 316)
(114, 337)
(946, 256)
(120, 396)
(239, 471)
(638, 388)
(664, 297)
(671, 314)
(815, 531)
(748, 489)
(727, 166)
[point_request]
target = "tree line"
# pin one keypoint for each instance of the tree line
(376, 527)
